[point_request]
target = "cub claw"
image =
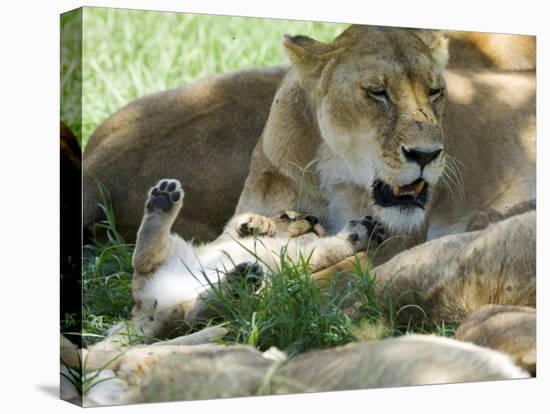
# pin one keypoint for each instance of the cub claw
(364, 231)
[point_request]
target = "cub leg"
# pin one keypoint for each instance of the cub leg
(153, 239)
(153, 244)
(357, 235)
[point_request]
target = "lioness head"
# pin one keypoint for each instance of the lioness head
(378, 96)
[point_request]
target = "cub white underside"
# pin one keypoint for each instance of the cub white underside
(189, 271)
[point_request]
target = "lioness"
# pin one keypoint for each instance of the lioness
(217, 121)
(172, 277)
(357, 126)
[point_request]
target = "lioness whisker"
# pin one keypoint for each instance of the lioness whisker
(453, 173)
(444, 180)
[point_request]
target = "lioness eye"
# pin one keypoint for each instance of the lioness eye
(435, 93)
(379, 94)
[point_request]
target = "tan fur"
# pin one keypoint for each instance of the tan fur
(492, 51)
(221, 372)
(403, 361)
(451, 277)
(508, 329)
(486, 217)
(322, 108)
(175, 134)
(493, 160)
(489, 166)
(234, 371)
(479, 267)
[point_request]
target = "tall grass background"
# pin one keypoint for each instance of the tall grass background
(131, 53)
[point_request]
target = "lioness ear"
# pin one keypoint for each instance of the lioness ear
(438, 45)
(306, 53)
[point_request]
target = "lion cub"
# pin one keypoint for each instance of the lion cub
(172, 277)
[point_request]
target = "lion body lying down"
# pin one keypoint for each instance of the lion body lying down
(492, 51)
(215, 121)
(505, 328)
(184, 372)
(451, 277)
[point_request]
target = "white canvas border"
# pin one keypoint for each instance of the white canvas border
(29, 207)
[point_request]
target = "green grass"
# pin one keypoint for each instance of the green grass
(129, 53)
(290, 311)
(107, 277)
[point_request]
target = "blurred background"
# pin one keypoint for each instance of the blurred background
(130, 53)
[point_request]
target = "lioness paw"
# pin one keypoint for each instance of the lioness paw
(251, 224)
(166, 194)
(363, 232)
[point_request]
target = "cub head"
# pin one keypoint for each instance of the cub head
(378, 96)
(293, 224)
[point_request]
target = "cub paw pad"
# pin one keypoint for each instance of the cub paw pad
(364, 231)
(247, 273)
(375, 230)
(164, 195)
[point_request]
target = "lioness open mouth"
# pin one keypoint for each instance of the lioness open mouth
(411, 195)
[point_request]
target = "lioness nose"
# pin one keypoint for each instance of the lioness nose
(422, 158)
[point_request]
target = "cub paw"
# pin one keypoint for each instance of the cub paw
(252, 224)
(245, 275)
(364, 232)
(166, 194)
